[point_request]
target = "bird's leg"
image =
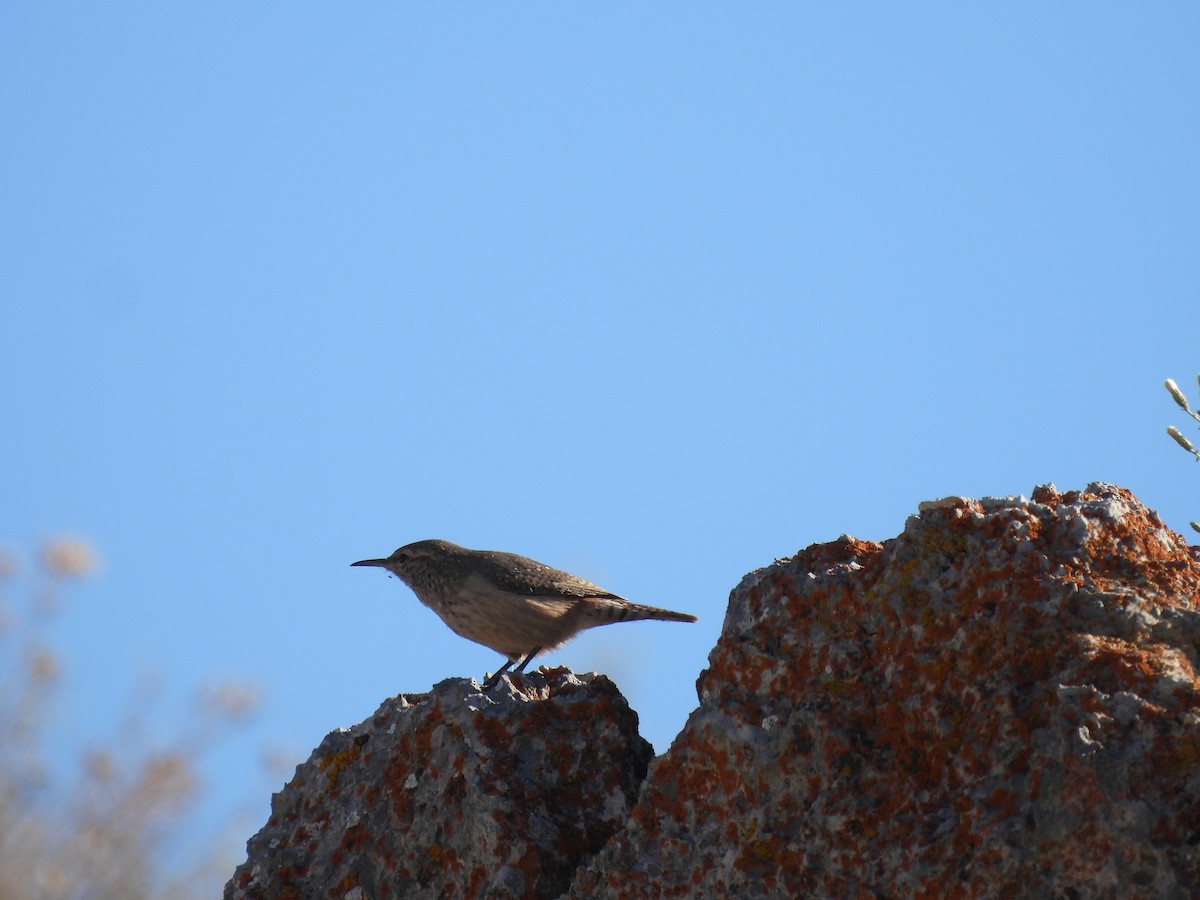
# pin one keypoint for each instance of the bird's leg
(528, 656)
(491, 682)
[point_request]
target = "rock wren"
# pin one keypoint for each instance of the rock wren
(514, 605)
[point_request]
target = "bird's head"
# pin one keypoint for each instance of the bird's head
(423, 565)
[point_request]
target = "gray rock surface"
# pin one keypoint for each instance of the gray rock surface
(1003, 701)
(455, 793)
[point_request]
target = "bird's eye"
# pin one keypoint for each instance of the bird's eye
(400, 557)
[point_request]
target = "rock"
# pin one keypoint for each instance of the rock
(455, 793)
(1000, 702)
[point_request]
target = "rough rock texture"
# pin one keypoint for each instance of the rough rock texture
(1001, 702)
(455, 793)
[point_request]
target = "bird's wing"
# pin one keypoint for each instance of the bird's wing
(524, 576)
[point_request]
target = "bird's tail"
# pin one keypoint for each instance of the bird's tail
(624, 611)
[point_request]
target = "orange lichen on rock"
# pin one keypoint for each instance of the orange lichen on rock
(1001, 701)
(467, 794)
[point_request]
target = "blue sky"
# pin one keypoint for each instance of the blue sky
(652, 293)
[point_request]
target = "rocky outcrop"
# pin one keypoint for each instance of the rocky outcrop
(455, 793)
(1002, 701)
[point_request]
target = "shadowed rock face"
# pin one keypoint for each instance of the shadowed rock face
(455, 793)
(1001, 701)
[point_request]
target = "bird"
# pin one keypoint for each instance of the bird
(516, 606)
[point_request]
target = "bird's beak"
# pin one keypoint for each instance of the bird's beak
(382, 563)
